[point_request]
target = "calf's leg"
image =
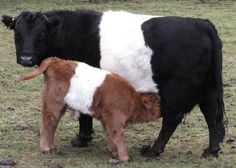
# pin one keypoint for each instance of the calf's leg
(115, 133)
(111, 145)
(49, 124)
(53, 109)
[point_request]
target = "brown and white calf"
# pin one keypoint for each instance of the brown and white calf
(92, 91)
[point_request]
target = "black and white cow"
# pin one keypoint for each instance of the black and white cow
(179, 57)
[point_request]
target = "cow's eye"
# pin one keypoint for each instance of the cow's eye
(17, 35)
(41, 36)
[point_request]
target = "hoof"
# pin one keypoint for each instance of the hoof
(114, 161)
(114, 155)
(124, 159)
(49, 152)
(118, 161)
(147, 151)
(207, 152)
(7, 163)
(80, 141)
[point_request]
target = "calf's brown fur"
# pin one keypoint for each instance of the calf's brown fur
(115, 103)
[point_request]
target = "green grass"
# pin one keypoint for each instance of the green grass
(20, 102)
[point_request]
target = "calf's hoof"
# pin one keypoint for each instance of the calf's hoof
(116, 161)
(208, 152)
(48, 151)
(81, 140)
(124, 159)
(114, 155)
(147, 151)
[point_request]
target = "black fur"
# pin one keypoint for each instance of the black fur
(76, 36)
(186, 63)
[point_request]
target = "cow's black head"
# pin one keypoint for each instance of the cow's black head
(31, 35)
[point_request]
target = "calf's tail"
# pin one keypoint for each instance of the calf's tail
(42, 68)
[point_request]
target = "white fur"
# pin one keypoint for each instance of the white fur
(123, 49)
(83, 86)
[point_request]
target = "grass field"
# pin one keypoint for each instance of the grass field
(20, 102)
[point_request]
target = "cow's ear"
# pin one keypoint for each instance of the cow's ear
(52, 23)
(9, 21)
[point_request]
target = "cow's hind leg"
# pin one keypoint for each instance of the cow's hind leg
(175, 102)
(214, 118)
(168, 128)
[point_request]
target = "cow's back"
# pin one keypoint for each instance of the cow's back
(182, 47)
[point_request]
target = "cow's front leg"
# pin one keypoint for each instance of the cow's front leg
(85, 132)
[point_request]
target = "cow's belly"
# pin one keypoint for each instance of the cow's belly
(123, 49)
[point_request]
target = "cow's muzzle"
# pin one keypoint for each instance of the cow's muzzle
(26, 60)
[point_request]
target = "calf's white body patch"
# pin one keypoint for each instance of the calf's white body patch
(123, 49)
(83, 86)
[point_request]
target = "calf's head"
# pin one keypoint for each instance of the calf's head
(31, 31)
(152, 106)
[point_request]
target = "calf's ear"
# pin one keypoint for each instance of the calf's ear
(52, 23)
(9, 21)
(150, 101)
(147, 101)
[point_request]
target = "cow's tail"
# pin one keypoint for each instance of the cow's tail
(221, 118)
(42, 68)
